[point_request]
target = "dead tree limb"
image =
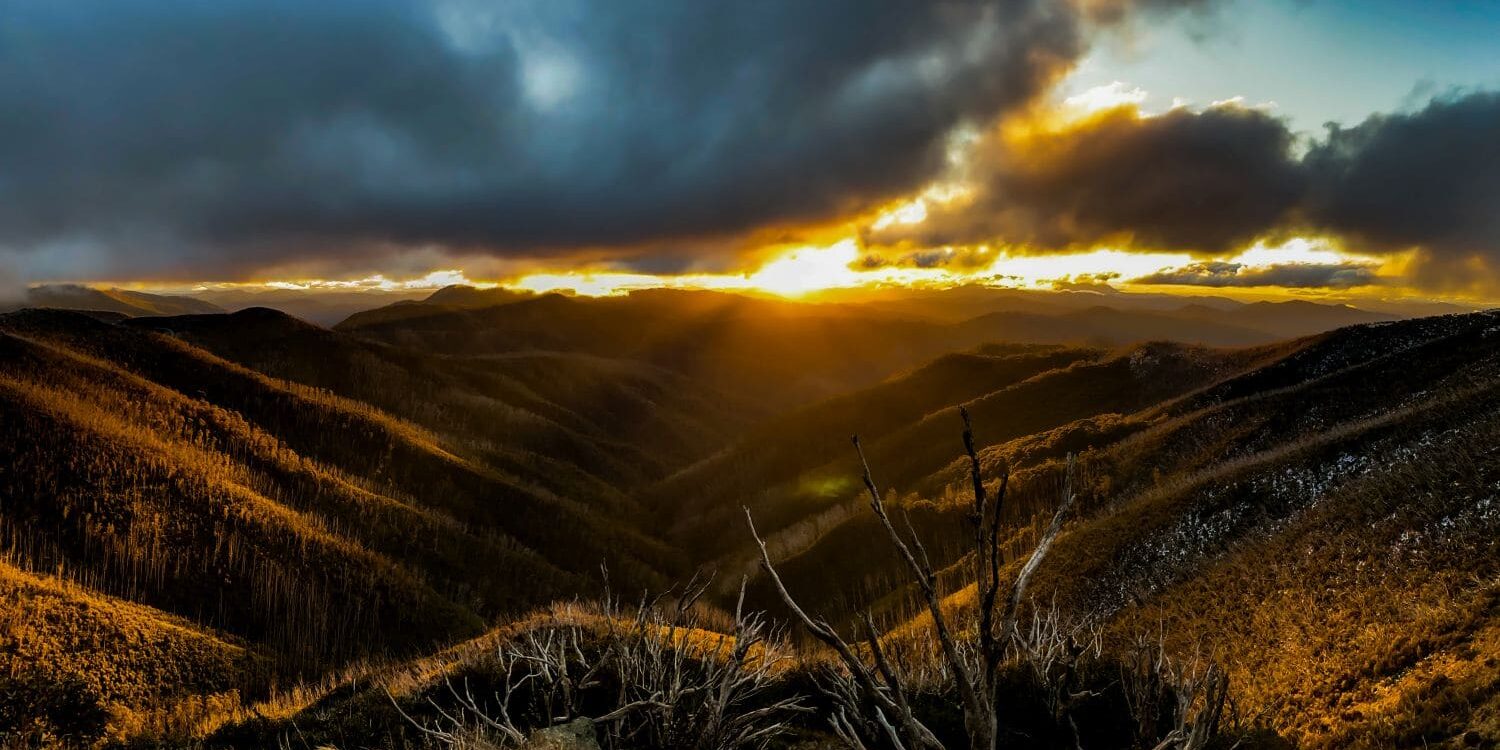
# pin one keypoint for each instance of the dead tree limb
(979, 710)
(880, 690)
(912, 733)
(986, 549)
(1039, 552)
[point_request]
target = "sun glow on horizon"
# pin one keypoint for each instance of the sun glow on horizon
(795, 273)
(809, 269)
(803, 271)
(806, 270)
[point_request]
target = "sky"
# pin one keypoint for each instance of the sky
(1318, 61)
(1307, 147)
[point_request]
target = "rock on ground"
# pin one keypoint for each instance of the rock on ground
(577, 734)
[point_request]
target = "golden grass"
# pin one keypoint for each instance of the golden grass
(134, 670)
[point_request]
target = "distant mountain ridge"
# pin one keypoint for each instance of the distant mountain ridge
(802, 352)
(123, 301)
(1209, 320)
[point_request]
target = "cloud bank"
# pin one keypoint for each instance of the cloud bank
(1202, 182)
(1224, 274)
(1221, 179)
(210, 137)
(1427, 181)
(154, 138)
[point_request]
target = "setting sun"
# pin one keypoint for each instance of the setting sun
(808, 269)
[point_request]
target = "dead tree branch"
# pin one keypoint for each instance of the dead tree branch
(1038, 553)
(880, 690)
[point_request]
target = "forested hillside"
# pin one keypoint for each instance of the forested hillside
(148, 474)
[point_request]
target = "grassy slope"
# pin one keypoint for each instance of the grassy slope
(74, 662)
(319, 528)
(618, 423)
(775, 466)
(1325, 526)
(361, 441)
(117, 491)
(828, 541)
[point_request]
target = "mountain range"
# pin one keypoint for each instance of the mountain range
(219, 526)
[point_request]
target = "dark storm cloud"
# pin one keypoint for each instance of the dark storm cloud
(1201, 182)
(222, 135)
(1428, 180)
(1221, 179)
(144, 137)
(1290, 275)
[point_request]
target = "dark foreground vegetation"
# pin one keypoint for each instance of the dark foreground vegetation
(246, 531)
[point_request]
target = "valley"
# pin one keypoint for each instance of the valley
(284, 521)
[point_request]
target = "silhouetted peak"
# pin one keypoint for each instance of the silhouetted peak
(262, 314)
(251, 322)
(266, 320)
(464, 295)
(80, 297)
(62, 317)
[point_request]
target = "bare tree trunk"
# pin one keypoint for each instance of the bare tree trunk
(881, 689)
